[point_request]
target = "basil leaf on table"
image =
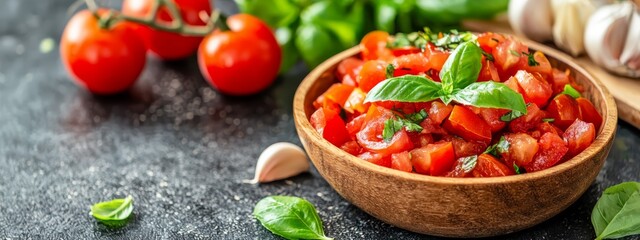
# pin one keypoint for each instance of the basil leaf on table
(617, 212)
(490, 94)
(461, 68)
(289, 217)
(114, 212)
(406, 88)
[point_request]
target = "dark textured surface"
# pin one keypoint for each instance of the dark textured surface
(177, 146)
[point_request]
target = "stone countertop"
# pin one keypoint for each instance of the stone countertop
(178, 147)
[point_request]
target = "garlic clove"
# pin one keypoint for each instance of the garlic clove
(532, 18)
(630, 56)
(279, 161)
(570, 17)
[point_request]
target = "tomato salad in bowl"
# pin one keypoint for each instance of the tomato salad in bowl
(456, 105)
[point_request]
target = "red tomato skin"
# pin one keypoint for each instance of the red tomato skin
(167, 45)
(564, 110)
(351, 147)
(338, 93)
(528, 121)
(376, 158)
(522, 149)
(551, 149)
(436, 58)
(434, 159)
(355, 102)
(355, 125)
(329, 124)
(508, 55)
(413, 64)
(374, 46)
(588, 112)
(488, 72)
(466, 124)
(370, 136)
(492, 117)
(401, 161)
(104, 61)
(536, 89)
(488, 166)
(347, 70)
(464, 148)
(578, 137)
(372, 73)
(242, 61)
(543, 67)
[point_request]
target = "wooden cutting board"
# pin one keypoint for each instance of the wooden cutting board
(626, 91)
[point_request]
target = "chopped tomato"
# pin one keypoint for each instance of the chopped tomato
(458, 170)
(508, 54)
(436, 57)
(401, 161)
(372, 73)
(536, 89)
(588, 112)
(488, 41)
(347, 70)
(551, 149)
(338, 93)
(434, 159)
(376, 158)
(413, 64)
(542, 65)
(561, 78)
(464, 148)
(564, 110)
(439, 111)
(545, 127)
(492, 117)
(370, 137)
(466, 124)
(404, 51)
(355, 125)
(422, 139)
(355, 102)
(522, 149)
(351, 147)
(374, 46)
(488, 72)
(528, 121)
(512, 83)
(489, 166)
(329, 124)
(579, 136)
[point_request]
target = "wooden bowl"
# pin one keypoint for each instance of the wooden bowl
(455, 207)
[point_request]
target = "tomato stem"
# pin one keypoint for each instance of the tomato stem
(176, 25)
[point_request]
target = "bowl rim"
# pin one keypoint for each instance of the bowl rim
(607, 131)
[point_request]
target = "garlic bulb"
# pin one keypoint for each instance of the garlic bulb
(612, 38)
(570, 17)
(532, 18)
(279, 161)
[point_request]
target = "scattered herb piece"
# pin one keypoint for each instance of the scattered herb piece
(549, 120)
(417, 117)
(395, 124)
(569, 90)
(514, 53)
(469, 163)
(289, 217)
(390, 70)
(499, 148)
(617, 212)
(531, 60)
(488, 56)
(516, 168)
(495, 39)
(114, 212)
(510, 116)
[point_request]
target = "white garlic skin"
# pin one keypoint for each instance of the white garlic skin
(532, 18)
(279, 161)
(612, 39)
(570, 18)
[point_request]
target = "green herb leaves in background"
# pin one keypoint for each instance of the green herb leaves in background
(569, 90)
(289, 217)
(113, 213)
(458, 75)
(617, 212)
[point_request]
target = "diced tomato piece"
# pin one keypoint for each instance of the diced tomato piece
(512, 83)
(488, 41)
(551, 149)
(439, 111)
(561, 78)
(404, 51)
(543, 67)
(411, 64)
(466, 124)
(488, 72)
(492, 117)
(376, 158)
(370, 137)
(351, 147)
(434, 159)
(436, 57)
(355, 125)
(338, 93)
(372, 73)
(355, 102)
(421, 139)
(522, 149)
(329, 124)
(401, 161)
(545, 127)
(489, 166)
(374, 46)
(528, 121)
(347, 70)
(564, 110)
(588, 112)
(458, 170)
(464, 148)
(508, 56)
(536, 89)
(578, 137)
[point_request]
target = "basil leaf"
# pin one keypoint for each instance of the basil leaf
(113, 211)
(569, 90)
(490, 94)
(500, 147)
(289, 217)
(390, 128)
(531, 61)
(469, 163)
(461, 68)
(390, 70)
(516, 168)
(406, 88)
(548, 120)
(617, 212)
(510, 116)
(417, 117)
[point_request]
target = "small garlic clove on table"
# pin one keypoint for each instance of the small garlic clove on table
(279, 161)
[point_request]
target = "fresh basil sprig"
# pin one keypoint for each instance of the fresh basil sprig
(459, 75)
(114, 212)
(289, 217)
(617, 212)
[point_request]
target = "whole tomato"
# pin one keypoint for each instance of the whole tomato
(105, 61)
(167, 45)
(243, 60)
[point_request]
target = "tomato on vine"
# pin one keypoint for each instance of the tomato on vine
(103, 59)
(168, 45)
(242, 60)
